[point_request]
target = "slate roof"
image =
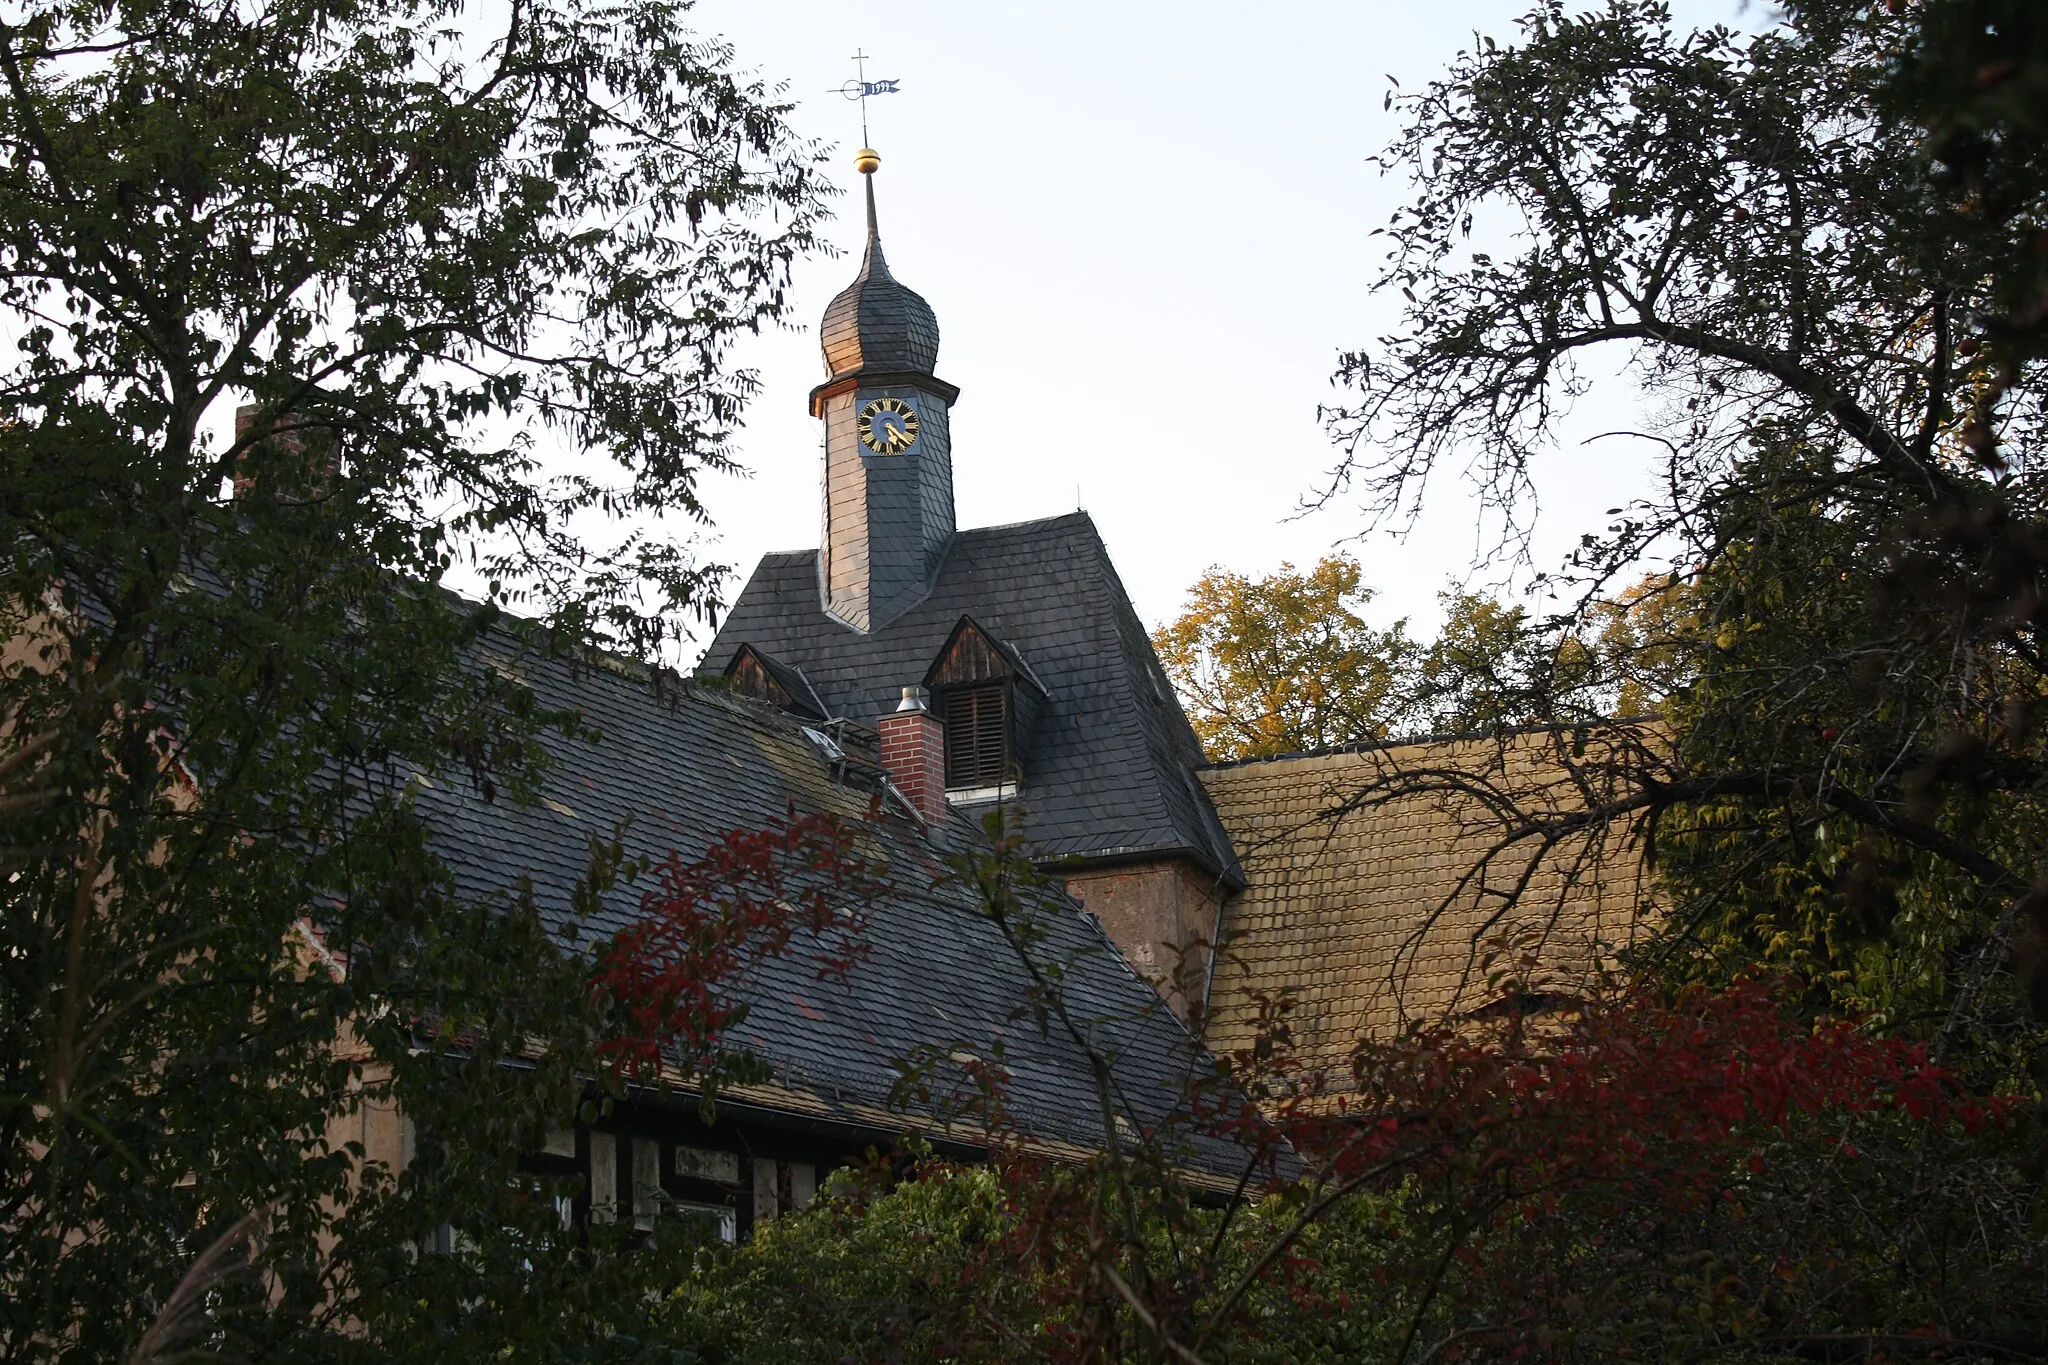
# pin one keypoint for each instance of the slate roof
(877, 324)
(1110, 768)
(1355, 907)
(689, 765)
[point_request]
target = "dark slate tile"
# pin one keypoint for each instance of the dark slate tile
(1111, 763)
(686, 768)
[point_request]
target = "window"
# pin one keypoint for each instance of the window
(717, 1220)
(987, 699)
(646, 1182)
(604, 1177)
(765, 678)
(977, 735)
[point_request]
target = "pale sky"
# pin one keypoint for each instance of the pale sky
(1144, 229)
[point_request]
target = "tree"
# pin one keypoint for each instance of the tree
(877, 1268)
(1851, 592)
(1285, 663)
(1974, 76)
(417, 259)
(1474, 671)
(1651, 1174)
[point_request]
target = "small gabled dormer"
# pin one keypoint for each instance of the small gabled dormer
(989, 700)
(757, 674)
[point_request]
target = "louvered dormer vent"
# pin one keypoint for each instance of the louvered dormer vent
(989, 701)
(977, 735)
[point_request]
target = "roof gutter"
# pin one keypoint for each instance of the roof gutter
(1228, 879)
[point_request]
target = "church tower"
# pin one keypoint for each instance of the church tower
(978, 665)
(888, 446)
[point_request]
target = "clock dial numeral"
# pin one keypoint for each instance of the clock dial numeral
(887, 426)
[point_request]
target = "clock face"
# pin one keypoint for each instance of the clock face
(888, 426)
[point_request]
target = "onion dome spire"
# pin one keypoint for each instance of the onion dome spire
(876, 325)
(888, 443)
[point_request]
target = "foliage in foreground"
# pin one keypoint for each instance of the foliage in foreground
(359, 269)
(1699, 1176)
(1646, 1173)
(1825, 306)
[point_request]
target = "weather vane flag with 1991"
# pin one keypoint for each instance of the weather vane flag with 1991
(860, 87)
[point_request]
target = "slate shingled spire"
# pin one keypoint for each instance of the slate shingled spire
(888, 514)
(877, 324)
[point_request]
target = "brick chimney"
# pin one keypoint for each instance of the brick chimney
(914, 752)
(292, 441)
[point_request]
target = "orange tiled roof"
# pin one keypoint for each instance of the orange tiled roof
(1372, 899)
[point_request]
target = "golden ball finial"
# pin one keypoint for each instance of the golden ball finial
(867, 161)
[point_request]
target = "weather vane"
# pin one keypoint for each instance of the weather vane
(861, 87)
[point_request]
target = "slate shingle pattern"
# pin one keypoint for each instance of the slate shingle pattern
(1342, 908)
(1110, 768)
(877, 324)
(687, 766)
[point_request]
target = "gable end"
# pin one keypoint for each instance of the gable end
(754, 673)
(989, 700)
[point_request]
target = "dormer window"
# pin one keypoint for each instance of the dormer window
(987, 698)
(757, 674)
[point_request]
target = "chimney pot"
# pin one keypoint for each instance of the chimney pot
(915, 699)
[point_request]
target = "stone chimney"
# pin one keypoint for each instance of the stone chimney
(914, 753)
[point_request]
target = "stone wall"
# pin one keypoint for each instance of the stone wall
(1162, 915)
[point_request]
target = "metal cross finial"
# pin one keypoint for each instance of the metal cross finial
(860, 70)
(861, 87)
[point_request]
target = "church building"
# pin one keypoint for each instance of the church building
(903, 679)
(912, 677)
(1005, 664)
(999, 664)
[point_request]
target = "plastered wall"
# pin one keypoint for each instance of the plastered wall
(1162, 915)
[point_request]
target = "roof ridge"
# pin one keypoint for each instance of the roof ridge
(1046, 591)
(1365, 746)
(1183, 747)
(811, 552)
(1076, 515)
